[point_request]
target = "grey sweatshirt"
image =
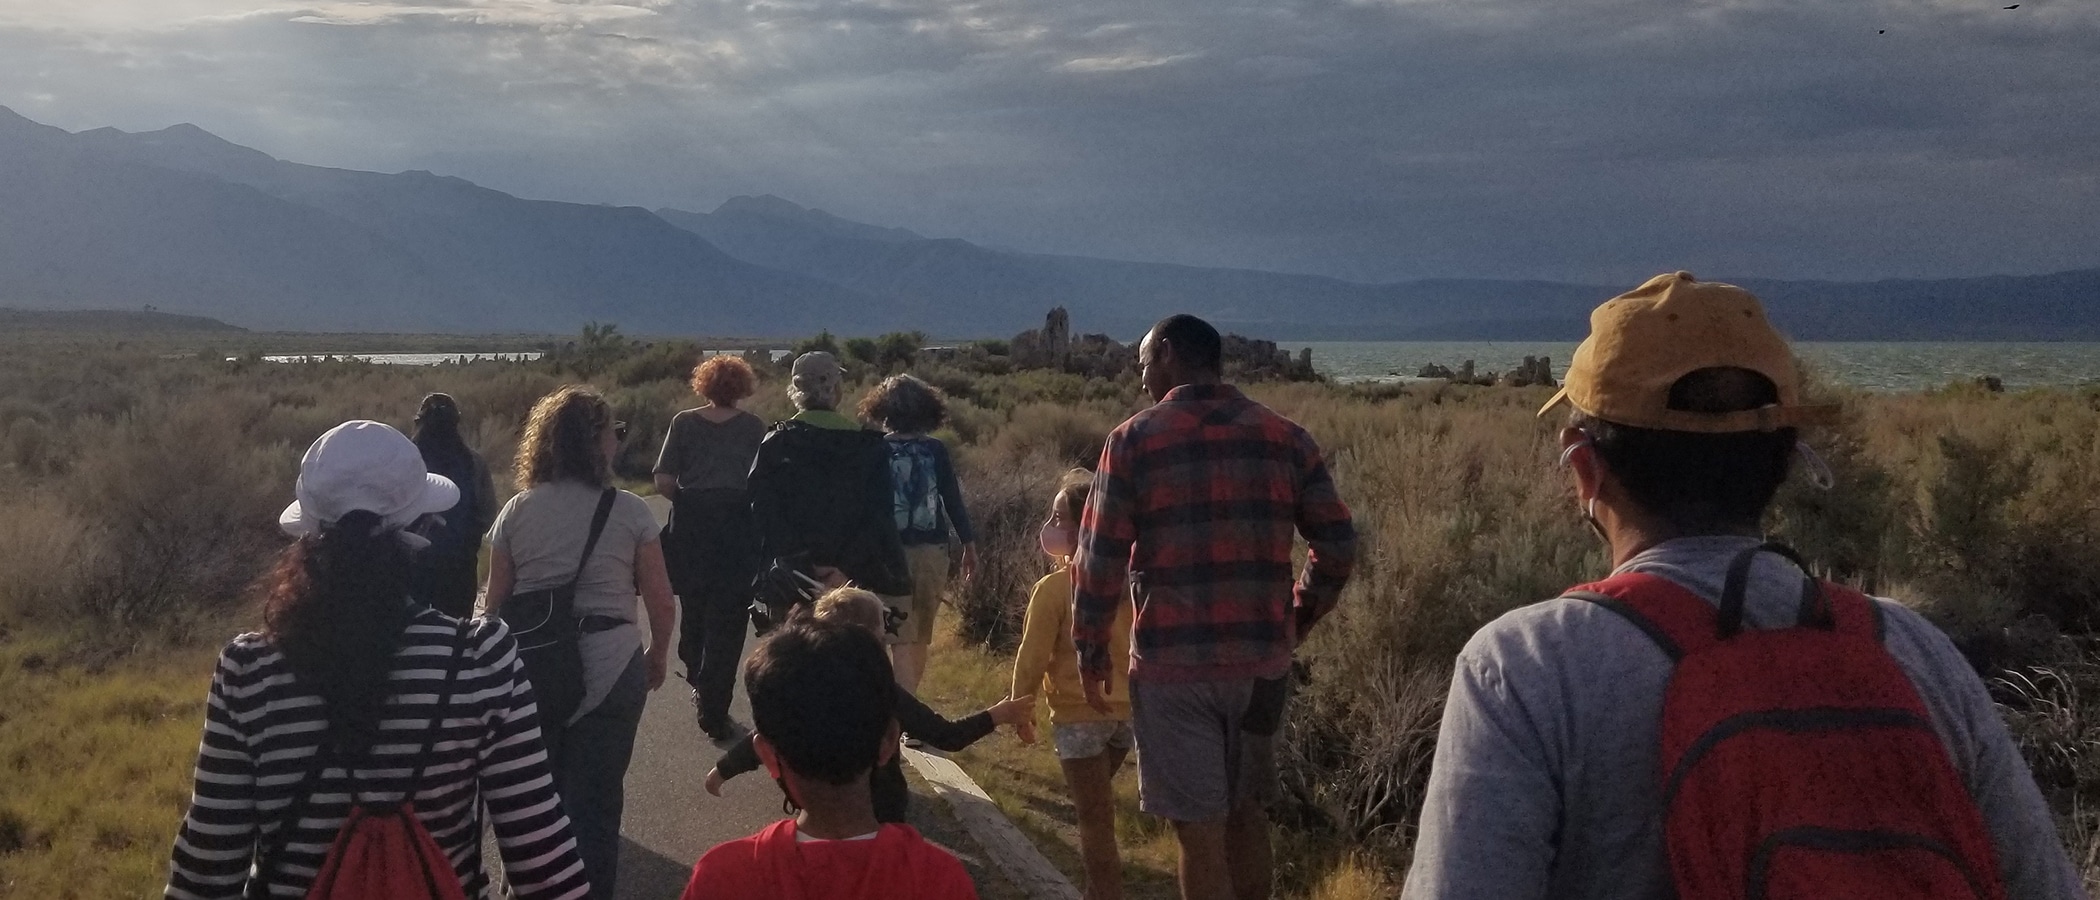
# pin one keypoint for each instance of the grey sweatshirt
(1545, 784)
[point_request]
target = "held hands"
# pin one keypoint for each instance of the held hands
(1013, 711)
(830, 576)
(714, 782)
(1018, 712)
(969, 562)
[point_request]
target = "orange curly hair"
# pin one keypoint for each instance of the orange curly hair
(724, 380)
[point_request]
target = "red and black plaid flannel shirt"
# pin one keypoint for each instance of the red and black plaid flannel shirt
(1195, 502)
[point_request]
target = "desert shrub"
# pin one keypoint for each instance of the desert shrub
(48, 556)
(1066, 435)
(664, 361)
(2052, 705)
(185, 512)
(1008, 499)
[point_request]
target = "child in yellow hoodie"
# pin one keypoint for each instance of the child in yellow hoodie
(1091, 745)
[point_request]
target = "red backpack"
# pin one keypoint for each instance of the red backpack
(382, 851)
(1799, 762)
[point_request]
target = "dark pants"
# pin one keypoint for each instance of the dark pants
(891, 792)
(589, 757)
(446, 581)
(714, 556)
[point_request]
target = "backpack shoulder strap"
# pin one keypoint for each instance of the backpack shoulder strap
(1677, 620)
(590, 544)
(437, 714)
(267, 847)
(1853, 612)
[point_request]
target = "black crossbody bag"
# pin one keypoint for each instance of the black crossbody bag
(546, 628)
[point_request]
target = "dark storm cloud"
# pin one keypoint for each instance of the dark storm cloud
(1595, 139)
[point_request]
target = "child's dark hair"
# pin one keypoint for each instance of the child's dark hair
(1071, 495)
(822, 694)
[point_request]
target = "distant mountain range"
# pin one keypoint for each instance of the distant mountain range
(188, 222)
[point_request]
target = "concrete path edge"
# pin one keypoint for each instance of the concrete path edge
(995, 834)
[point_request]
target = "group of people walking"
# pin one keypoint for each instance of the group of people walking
(1707, 721)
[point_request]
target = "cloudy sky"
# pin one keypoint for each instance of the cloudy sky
(1598, 140)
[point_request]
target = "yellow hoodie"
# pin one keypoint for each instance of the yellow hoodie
(1047, 661)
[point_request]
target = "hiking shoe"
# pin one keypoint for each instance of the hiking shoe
(726, 732)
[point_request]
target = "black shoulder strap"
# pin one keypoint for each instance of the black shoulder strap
(437, 714)
(267, 846)
(605, 502)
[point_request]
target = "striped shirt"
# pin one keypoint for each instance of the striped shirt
(1195, 502)
(261, 731)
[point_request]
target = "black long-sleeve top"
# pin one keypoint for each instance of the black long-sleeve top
(914, 718)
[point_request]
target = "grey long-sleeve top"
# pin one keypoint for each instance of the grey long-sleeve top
(1544, 783)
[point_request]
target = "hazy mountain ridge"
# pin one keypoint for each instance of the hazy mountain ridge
(207, 226)
(184, 220)
(984, 287)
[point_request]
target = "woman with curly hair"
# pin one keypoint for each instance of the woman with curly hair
(926, 502)
(540, 543)
(353, 694)
(710, 547)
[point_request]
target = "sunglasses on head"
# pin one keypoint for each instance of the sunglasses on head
(619, 431)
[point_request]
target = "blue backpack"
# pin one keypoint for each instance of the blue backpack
(915, 479)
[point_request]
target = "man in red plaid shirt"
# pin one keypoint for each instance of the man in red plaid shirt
(1194, 506)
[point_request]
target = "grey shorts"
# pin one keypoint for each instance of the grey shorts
(1195, 760)
(1086, 740)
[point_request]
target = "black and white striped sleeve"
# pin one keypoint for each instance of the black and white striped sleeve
(217, 840)
(532, 831)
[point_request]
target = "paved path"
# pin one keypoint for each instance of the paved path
(670, 819)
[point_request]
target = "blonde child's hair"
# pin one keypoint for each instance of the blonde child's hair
(852, 606)
(1072, 491)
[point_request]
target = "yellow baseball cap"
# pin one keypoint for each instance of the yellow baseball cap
(1641, 342)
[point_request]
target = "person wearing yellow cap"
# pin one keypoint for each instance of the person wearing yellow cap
(1708, 720)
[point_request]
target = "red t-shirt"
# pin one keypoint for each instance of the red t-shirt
(772, 865)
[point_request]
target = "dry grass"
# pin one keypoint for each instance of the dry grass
(1028, 784)
(97, 766)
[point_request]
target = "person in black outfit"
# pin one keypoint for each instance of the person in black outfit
(709, 546)
(892, 794)
(446, 574)
(820, 490)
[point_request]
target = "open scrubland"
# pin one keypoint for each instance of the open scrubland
(140, 482)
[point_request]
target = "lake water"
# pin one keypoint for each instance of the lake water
(1869, 366)
(407, 359)
(1877, 366)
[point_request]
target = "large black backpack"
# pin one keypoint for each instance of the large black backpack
(827, 493)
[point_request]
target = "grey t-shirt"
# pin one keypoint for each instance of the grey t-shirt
(708, 455)
(543, 531)
(1545, 785)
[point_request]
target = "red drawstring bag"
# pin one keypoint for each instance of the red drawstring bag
(383, 852)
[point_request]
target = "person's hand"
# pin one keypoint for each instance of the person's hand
(1096, 693)
(830, 576)
(1026, 731)
(1013, 710)
(714, 782)
(969, 562)
(659, 663)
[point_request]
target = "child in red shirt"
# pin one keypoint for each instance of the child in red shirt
(821, 694)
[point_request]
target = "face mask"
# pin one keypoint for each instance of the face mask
(1059, 541)
(1589, 509)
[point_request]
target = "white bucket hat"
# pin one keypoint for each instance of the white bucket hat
(366, 465)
